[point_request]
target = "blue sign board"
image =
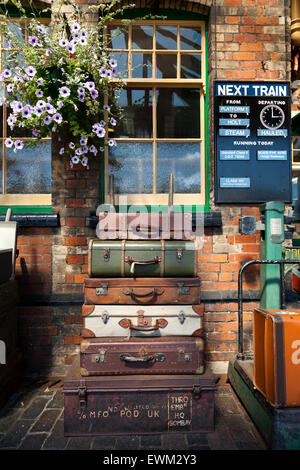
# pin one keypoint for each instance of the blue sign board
(252, 142)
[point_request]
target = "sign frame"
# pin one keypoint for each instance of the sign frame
(252, 141)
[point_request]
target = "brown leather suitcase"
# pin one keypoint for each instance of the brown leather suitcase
(162, 355)
(137, 404)
(126, 291)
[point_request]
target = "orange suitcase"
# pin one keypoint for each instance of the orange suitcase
(276, 335)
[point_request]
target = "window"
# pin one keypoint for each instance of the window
(162, 128)
(25, 176)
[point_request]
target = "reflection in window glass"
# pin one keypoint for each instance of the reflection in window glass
(29, 170)
(296, 142)
(141, 65)
(181, 159)
(18, 34)
(178, 113)
(118, 37)
(132, 166)
(191, 66)
(190, 38)
(136, 122)
(122, 63)
(166, 37)
(13, 59)
(296, 156)
(166, 66)
(142, 37)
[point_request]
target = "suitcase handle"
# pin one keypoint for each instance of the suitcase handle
(125, 358)
(147, 294)
(132, 262)
(160, 323)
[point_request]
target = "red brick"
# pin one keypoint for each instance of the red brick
(75, 221)
(211, 267)
(232, 19)
(233, 3)
(253, 47)
(251, 248)
(75, 259)
(245, 38)
(244, 74)
(74, 202)
(76, 241)
(245, 238)
(243, 56)
(76, 184)
(79, 278)
(225, 276)
(220, 258)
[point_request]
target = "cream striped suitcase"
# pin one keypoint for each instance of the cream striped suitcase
(142, 320)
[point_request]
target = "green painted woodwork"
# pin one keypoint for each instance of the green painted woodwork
(26, 209)
(271, 248)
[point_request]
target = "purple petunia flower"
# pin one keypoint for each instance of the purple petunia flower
(38, 111)
(48, 120)
(41, 104)
(6, 73)
(112, 142)
(71, 48)
(83, 33)
(81, 98)
(33, 40)
(102, 72)
(26, 112)
(64, 92)
(19, 144)
(84, 161)
(94, 94)
(61, 151)
(8, 143)
(83, 140)
(108, 73)
(106, 107)
(100, 132)
(93, 149)
(113, 121)
(71, 145)
(113, 63)
(75, 160)
(48, 52)
(60, 104)
(10, 87)
(81, 91)
(49, 108)
(40, 81)
(35, 132)
(75, 28)
(83, 41)
(78, 151)
(63, 42)
(90, 85)
(57, 118)
(31, 71)
(39, 93)
(41, 30)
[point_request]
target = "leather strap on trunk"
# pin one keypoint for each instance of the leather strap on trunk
(123, 258)
(162, 265)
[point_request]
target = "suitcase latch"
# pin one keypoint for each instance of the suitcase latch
(197, 391)
(105, 317)
(179, 253)
(82, 395)
(103, 289)
(106, 254)
(181, 317)
(101, 356)
(182, 289)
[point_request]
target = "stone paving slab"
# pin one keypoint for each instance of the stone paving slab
(33, 419)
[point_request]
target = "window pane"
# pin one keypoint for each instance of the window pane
(29, 170)
(142, 37)
(296, 142)
(17, 31)
(137, 117)
(122, 63)
(117, 37)
(166, 37)
(191, 66)
(190, 38)
(141, 65)
(166, 66)
(183, 160)
(13, 59)
(296, 156)
(132, 166)
(178, 113)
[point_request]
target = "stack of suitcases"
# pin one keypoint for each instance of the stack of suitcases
(141, 364)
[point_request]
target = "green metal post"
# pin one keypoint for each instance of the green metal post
(271, 248)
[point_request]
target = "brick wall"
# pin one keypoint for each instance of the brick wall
(248, 40)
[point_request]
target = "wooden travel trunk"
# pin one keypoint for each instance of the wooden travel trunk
(142, 320)
(122, 258)
(276, 336)
(135, 291)
(137, 404)
(163, 355)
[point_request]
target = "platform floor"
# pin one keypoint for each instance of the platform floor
(33, 419)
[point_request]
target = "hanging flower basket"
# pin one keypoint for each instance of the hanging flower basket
(61, 86)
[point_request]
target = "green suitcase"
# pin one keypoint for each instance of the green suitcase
(122, 258)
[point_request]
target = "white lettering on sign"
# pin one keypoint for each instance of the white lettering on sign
(251, 90)
(296, 354)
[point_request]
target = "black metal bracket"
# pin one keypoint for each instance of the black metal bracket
(241, 354)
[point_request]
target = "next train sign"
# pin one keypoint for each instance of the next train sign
(252, 142)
